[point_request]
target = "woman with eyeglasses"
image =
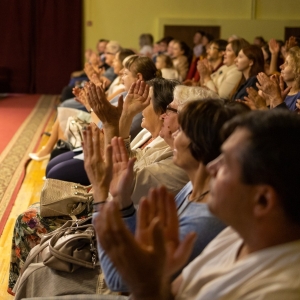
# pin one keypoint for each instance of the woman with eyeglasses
(196, 143)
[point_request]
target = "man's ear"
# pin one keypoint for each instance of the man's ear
(139, 76)
(266, 198)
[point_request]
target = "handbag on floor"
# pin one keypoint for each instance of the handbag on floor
(65, 262)
(63, 198)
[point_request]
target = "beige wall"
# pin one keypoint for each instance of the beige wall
(125, 20)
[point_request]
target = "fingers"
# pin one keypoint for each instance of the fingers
(120, 103)
(123, 152)
(95, 143)
(131, 90)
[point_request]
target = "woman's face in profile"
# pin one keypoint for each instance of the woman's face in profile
(182, 156)
(128, 79)
(243, 62)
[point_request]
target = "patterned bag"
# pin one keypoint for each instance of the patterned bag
(63, 198)
(64, 263)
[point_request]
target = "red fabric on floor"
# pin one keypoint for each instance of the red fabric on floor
(14, 109)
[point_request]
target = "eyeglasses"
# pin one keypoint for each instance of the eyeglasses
(171, 109)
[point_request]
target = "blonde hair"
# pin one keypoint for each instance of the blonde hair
(184, 94)
(294, 54)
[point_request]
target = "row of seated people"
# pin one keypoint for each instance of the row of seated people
(163, 155)
(237, 64)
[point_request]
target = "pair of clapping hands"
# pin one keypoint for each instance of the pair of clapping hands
(271, 92)
(155, 252)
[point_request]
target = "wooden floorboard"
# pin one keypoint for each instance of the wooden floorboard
(28, 194)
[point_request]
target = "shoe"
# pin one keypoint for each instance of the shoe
(38, 158)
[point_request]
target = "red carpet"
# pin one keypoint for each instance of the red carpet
(13, 111)
(22, 119)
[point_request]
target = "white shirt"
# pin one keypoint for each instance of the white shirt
(272, 273)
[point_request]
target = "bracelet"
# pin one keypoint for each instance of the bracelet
(128, 211)
(95, 205)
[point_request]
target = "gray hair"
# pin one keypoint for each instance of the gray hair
(184, 94)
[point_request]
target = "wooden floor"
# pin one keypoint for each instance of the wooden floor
(28, 194)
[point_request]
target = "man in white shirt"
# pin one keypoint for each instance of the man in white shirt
(255, 190)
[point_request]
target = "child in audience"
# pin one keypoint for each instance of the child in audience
(165, 64)
(180, 56)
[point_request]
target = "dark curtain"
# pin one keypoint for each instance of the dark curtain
(40, 44)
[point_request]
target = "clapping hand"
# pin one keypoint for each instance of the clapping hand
(107, 113)
(98, 170)
(204, 69)
(274, 46)
(137, 98)
(271, 88)
(146, 261)
(254, 100)
(122, 180)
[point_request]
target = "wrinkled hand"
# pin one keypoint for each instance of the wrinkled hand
(137, 98)
(94, 60)
(270, 87)
(122, 180)
(107, 113)
(204, 69)
(98, 171)
(254, 100)
(81, 96)
(144, 262)
(90, 71)
(161, 204)
(280, 81)
(274, 46)
(141, 266)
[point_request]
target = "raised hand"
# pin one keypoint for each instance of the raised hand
(161, 204)
(107, 113)
(122, 179)
(90, 71)
(141, 266)
(147, 261)
(274, 46)
(98, 171)
(291, 42)
(137, 98)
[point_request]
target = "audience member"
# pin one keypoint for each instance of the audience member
(250, 61)
(195, 144)
(146, 44)
(225, 79)
(197, 41)
(180, 56)
(254, 190)
(164, 63)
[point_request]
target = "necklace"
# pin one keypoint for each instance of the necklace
(196, 199)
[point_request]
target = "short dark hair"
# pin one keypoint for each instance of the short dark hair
(162, 93)
(220, 43)
(201, 121)
(271, 155)
(124, 53)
